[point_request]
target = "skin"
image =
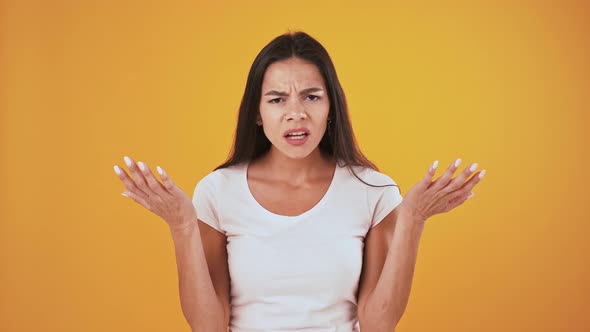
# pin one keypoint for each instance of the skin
(392, 246)
(295, 166)
(290, 179)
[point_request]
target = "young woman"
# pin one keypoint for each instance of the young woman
(297, 230)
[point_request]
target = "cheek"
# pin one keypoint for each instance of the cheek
(270, 116)
(271, 121)
(322, 116)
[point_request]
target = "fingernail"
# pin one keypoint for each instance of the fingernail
(471, 195)
(141, 166)
(117, 170)
(127, 161)
(124, 194)
(473, 167)
(159, 170)
(482, 173)
(434, 164)
(457, 162)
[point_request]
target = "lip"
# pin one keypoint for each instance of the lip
(296, 142)
(303, 129)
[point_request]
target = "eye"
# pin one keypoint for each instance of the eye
(272, 101)
(314, 96)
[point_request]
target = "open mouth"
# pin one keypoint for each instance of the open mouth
(297, 135)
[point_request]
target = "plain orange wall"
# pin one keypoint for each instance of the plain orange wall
(83, 83)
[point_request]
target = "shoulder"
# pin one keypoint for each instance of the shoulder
(219, 179)
(379, 178)
(370, 176)
(222, 176)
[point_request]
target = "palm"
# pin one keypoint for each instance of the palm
(428, 197)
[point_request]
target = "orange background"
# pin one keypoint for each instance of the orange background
(83, 83)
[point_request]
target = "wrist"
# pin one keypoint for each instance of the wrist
(183, 228)
(412, 216)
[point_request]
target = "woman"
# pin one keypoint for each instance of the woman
(296, 229)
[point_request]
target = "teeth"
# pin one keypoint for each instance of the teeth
(299, 135)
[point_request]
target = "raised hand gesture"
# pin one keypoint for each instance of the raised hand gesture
(164, 199)
(428, 198)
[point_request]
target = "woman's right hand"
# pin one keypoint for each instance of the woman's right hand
(164, 199)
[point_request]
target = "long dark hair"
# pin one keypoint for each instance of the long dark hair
(338, 141)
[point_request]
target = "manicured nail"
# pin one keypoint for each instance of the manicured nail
(471, 195)
(482, 173)
(473, 167)
(434, 164)
(127, 161)
(117, 170)
(141, 166)
(160, 170)
(124, 194)
(457, 162)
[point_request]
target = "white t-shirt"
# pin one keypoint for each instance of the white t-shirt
(295, 273)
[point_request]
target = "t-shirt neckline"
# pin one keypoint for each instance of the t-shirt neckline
(313, 209)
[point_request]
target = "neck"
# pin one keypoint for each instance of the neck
(296, 171)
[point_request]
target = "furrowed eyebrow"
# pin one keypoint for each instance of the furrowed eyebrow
(284, 94)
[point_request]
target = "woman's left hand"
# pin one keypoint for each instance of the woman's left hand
(428, 198)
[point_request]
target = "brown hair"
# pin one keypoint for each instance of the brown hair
(338, 141)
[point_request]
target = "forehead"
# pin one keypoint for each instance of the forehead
(292, 71)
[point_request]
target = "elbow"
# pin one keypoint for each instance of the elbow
(209, 326)
(219, 323)
(205, 329)
(226, 315)
(378, 321)
(216, 321)
(376, 326)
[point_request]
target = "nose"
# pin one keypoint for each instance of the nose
(296, 111)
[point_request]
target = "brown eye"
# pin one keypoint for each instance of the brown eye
(314, 96)
(272, 101)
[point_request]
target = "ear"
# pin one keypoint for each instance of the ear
(258, 119)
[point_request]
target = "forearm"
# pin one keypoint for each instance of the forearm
(200, 305)
(387, 302)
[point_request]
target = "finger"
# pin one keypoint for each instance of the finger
(138, 199)
(460, 179)
(168, 183)
(468, 186)
(458, 199)
(128, 182)
(152, 182)
(138, 177)
(444, 179)
(427, 180)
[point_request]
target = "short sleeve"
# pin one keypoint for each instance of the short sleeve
(205, 202)
(381, 200)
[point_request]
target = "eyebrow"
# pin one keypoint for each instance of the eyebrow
(284, 94)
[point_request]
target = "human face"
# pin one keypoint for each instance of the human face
(293, 97)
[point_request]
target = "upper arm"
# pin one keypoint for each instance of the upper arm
(214, 246)
(377, 243)
(213, 237)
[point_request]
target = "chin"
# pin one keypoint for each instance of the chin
(296, 152)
